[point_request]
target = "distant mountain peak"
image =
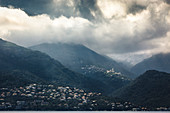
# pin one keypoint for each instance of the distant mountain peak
(38, 64)
(160, 62)
(78, 56)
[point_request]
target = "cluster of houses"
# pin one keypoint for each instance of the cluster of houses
(42, 95)
(110, 73)
(119, 75)
(49, 97)
(91, 69)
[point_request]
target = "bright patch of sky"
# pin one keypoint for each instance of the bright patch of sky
(129, 31)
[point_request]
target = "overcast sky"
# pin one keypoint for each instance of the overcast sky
(126, 30)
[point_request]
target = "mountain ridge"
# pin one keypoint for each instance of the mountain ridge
(79, 58)
(14, 57)
(158, 62)
(150, 89)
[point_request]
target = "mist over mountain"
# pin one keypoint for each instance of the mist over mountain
(34, 66)
(80, 58)
(151, 89)
(72, 47)
(89, 63)
(160, 62)
(100, 25)
(22, 66)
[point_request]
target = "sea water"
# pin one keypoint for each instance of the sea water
(84, 111)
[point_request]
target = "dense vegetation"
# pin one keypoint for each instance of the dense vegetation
(20, 66)
(40, 65)
(110, 83)
(16, 78)
(87, 62)
(150, 89)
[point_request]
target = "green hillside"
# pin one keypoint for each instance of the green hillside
(150, 89)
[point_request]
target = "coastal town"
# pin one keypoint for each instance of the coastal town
(49, 97)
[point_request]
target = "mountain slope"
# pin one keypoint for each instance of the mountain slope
(40, 65)
(17, 78)
(80, 58)
(160, 62)
(112, 82)
(152, 89)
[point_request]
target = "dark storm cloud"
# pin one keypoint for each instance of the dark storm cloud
(126, 27)
(135, 8)
(83, 8)
(87, 8)
(167, 1)
(32, 7)
(35, 7)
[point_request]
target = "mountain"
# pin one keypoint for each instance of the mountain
(111, 81)
(81, 59)
(160, 62)
(17, 78)
(151, 89)
(25, 65)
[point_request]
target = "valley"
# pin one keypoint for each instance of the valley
(84, 55)
(32, 80)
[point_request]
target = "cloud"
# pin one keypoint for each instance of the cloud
(111, 8)
(167, 1)
(26, 30)
(31, 7)
(71, 8)
(56, 8)
(126, 28)
(67, 8)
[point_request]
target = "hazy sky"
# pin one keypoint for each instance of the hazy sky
(127, 30)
